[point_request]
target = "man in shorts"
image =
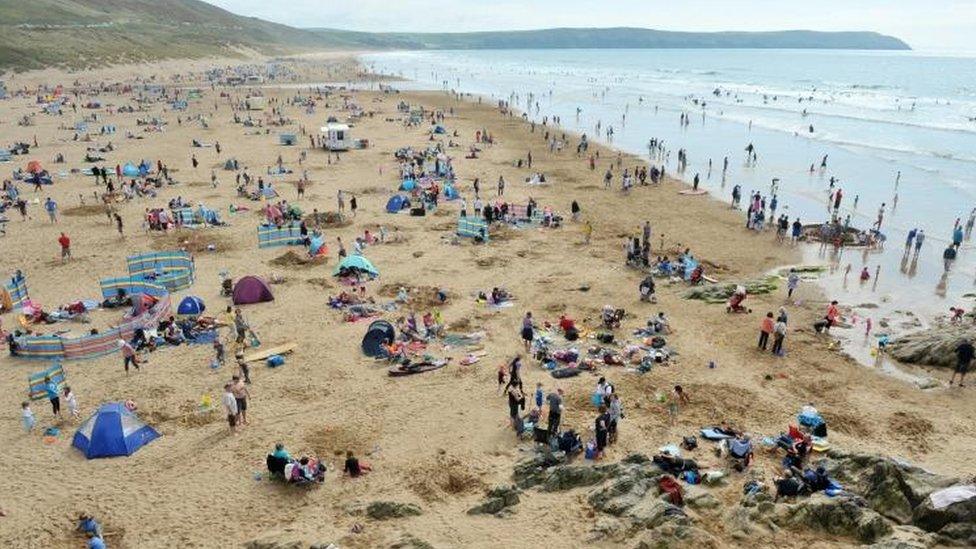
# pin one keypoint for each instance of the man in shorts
(230, 405)
(241, 394)
(65, 243)
(964, 357)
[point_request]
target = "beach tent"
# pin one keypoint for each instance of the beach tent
(379, 333)
(287, 139)
(191, 305)
(251, 289)
(396, 203)
(451, 193)
(408, 185)
(356, 263)
(112, 430)
(130, 170)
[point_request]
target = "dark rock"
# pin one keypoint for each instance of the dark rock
(674, 535)
(890, 487)
(699, 498)
(383, 510)
(958, 534)
(838, 516)
(931, 519)
(499, 498)
(568, 477)
(625, 491)
(533, 470)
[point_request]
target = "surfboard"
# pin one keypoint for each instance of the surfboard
(262, 354)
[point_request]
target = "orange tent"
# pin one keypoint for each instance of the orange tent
(34, 166)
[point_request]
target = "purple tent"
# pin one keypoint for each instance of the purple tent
(251, 289)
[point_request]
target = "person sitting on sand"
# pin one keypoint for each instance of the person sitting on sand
(280, 452)
(353, 467)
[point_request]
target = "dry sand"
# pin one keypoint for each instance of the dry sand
(437, 439)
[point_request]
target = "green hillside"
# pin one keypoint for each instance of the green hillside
(81, 33)
(622, 37)
(85, 33)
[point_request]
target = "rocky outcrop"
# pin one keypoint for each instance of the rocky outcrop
(533, 470)
(935, 346)
(498, 501)
(720, 293)
(842, 516)
(890, 487)
(954, 524)
(384, 510)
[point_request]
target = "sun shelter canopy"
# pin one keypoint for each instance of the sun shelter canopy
(396, 203)
(379, 333)
(112, 430)
(191, 305)
(251, 289)
(355, 263)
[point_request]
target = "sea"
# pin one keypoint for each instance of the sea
(896, 128)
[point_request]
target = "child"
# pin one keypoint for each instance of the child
(678, 398)
(72, 402)
(501, 376)
(538, 396)
(27, 416)
(765, 330)
(242, 367)
(218, 347)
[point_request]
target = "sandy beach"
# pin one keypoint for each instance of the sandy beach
(436, 440)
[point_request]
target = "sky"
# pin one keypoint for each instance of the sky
(930, 25)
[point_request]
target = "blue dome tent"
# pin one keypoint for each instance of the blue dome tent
(355, 263)
(408, 185)
(396, 203)
(112, 431)
(130, 170)
(191, 305)
(450, 192)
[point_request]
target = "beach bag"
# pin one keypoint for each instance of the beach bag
(275, 360)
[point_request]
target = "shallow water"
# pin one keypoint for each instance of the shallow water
(873, 113)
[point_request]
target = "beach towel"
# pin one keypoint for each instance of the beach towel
(954, 494)
(710, 433)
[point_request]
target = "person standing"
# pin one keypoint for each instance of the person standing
(515, 400)
(118, 224)
(539, 396)
(72, 402)
(65, 243)
(341, 201)
(528, 331)
(765, 330)
(353, 205)
(51, 389)
(240, 326)
(909, 239)
(919, 238)
(555, 403)
(964, 357)
(676, 399)
(128, 355)
(602, 431)
(27, 416)
(779, 334)
(792, 281)
(575, 209)
(501, 185)
(51, 207)
(230, 406)
(241, 395)
(616, 412)
(301, 188)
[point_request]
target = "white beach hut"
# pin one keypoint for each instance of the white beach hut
(337, 137)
